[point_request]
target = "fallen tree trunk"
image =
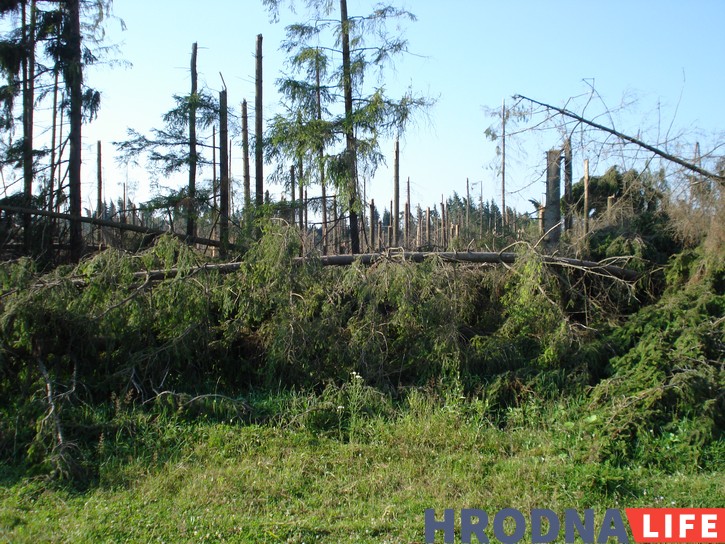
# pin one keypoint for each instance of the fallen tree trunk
(416, 257)
(480, 258)
(668, 156)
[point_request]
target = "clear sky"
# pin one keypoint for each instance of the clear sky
(664, 56)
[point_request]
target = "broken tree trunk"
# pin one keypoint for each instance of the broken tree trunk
(258, 129)
(223, 173)
(491, 258)
(191, 207)
(552, 211)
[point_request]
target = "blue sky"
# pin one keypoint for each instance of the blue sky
(663, 59)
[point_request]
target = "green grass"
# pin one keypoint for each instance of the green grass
(292, 480)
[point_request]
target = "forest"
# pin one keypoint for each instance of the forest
(321, 369)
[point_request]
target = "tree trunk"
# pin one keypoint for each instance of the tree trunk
(191, 206)
(53, 136)
(28, 100)
(321, 158)
(247, 181)
(301, 205)
(408, 215)
(568, 174)
(99, 196)
(552, 210)
(503, 165)
(293, 198)
(349, 128)
(396, 194)
(586, 197)
(214, 186)
(223, 174)
(258, 149)
(74, 81)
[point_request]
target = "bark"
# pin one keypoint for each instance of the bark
(396, 194)
(28, 120)
(491, 258)
(503, 165)
(223, 173)
(191, 207)
(247, 181)
(258, 135)
(349, 128)
(321, 158)
(74, 81)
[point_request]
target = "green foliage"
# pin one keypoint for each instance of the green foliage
(503, 343)
(167, 150)
(314, 128)
(664, 401)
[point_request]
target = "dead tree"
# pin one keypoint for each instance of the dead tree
(552, 209)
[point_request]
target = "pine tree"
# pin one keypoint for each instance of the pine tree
(364, 116)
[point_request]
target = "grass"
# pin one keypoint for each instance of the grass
(294, 479)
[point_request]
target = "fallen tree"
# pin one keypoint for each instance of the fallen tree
(493, 258)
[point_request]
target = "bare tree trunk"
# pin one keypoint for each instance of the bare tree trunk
(292, 192)
(53, 139)
(408, 215)
(191, 205)
(427, 227)
(468, 208)
(372, 224)
(335, 239)
(586, 196)
(61, 150)
(444, 241)
(419, 232)
(74, 81)
(568, 223)
(321, 158)
(99, 197)
(349, 128)
(503, 165)
(552, 211)
(214, 186)
(223, 174)
(28, 120)
(395, 217)
(247, 175)
(99, 179)
(301, 186)
(258, 148)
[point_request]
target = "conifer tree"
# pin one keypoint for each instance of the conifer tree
(362, 115)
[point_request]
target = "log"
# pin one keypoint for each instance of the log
(492, 258)
(474, 257)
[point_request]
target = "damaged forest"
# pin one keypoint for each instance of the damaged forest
(280, 358)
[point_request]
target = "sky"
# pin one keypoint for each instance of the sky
(662, 59)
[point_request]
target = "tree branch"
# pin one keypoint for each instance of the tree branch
(656, 151)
